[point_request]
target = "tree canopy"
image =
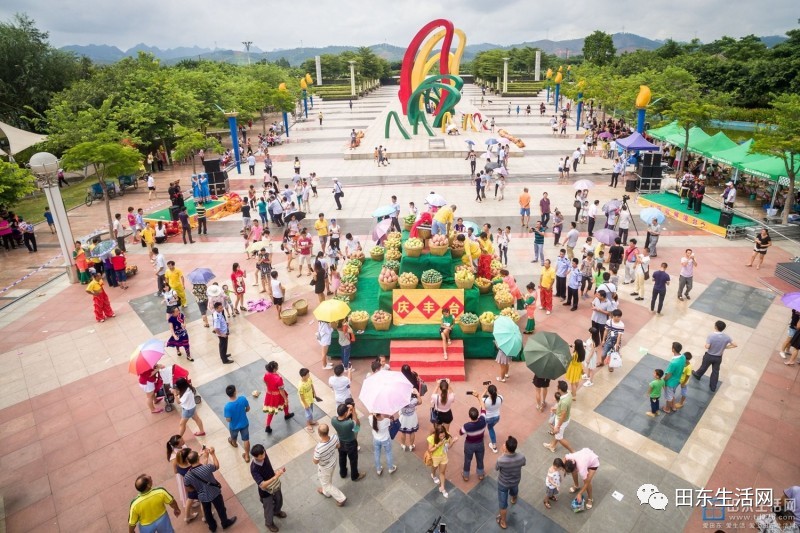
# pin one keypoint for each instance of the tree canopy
(598, 48)
(15, 183)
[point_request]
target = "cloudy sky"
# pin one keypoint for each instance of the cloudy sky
(285, 24)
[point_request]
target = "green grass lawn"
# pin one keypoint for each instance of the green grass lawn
(32, 208)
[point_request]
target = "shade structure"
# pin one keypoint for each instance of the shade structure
(769, 167)
(102, 248)
(331, 311)
(436, 200)
(696, 135)
(791, 300)
(145, 356)
(385, 392)
(581, 185)
(733, 155)
(383, 211)
(381, 229)
(664, 131)
(547, 355)
(201, 276)
(612, 205)
(257, 246)
(606, 236)
(649, 213)
(716, 143)
(19, 140)
(507, 336)
(635, 142)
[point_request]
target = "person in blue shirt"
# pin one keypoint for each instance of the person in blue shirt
(562, 268)
(573, 285)
(48, 216)
(236, 414)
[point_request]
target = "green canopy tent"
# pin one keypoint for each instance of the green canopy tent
(664, 131)
(767, 167)
(734, 155)
(715, 143)
(696, 135)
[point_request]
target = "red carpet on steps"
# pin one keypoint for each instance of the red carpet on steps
(426, 359)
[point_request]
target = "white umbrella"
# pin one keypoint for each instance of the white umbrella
(502, 171)
(435, 200)
(581, 185)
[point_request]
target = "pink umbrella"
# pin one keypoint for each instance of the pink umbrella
(146, 356)
(606, 236)
(385, 392)
(381, 229)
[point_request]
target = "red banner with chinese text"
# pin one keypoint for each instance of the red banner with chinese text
(424, 306)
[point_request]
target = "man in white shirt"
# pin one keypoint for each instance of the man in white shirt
(160, 266)
(325, 457)
(251, 163)
(576, 156)
(340, 383)
(592, 215)
(572, 240)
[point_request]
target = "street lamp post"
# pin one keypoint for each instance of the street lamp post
(352, 78)
(44, 166)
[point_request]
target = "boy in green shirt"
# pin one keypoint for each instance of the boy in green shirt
(655, 392)
(445, 329)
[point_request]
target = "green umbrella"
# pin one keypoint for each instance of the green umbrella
(507, 336)
(547, 355)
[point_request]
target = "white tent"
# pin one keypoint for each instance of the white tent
(19, 140)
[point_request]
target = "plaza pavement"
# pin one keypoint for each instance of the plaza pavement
(75, 432)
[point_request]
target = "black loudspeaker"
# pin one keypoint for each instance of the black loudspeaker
(656, 160)
(648, 159)
(211, 165)
(725, 218)
(219, 188)
(655, 171)
(650, 184)
(173, 212)
(217, 177)
(646, 171)
(630, 185)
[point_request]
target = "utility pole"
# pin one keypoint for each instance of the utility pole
(247, 46)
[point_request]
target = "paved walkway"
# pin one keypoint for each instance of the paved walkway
(75, 431)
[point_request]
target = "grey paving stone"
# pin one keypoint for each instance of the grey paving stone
(628, 403)
(247, 379)
(730, 300)
(153, 312)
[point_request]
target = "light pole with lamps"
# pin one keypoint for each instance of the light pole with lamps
(247, 46)
(44, 166)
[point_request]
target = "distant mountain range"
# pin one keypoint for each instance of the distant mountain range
(624, 42)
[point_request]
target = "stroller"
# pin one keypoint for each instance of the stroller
(167, 378)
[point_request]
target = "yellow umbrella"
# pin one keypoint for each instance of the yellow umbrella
(257, 247)
(331, 311)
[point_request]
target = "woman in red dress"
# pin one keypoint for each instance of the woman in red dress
(102, 306)
(276, 399)
(238, 278)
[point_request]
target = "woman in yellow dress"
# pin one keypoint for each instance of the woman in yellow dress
(575, 368)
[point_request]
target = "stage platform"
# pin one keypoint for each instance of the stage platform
(789, 272)
(212, 208)
(707, 220)
(370, 297)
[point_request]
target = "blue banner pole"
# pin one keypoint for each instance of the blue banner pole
(555, 99)
(286, 123)
(580, 110)
(640, 120)
(235, 141)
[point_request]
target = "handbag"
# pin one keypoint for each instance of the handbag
(614, 360)
(576, 204)
(647, 274)
(394, 428)
(275, 486)
(427, 458)
(434, 416)
(422, 387)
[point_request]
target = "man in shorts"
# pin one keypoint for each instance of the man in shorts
(305, 244)
(562, 418)
(236, 414)
(525, 207)
(672, 377)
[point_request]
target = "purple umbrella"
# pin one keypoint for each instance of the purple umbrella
(611, 205)
(380, 230)
(606, 236)
(791, 300)
(604, 135)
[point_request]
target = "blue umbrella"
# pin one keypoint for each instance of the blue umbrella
(383, 211)
(507, 336)
(102, 248)
(469, 142)
(649, 213)
(200, 276)
(476, 229)
(490, 141)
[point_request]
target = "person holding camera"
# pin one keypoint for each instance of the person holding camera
(473, 432)
(347, 425)
(200, 478)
